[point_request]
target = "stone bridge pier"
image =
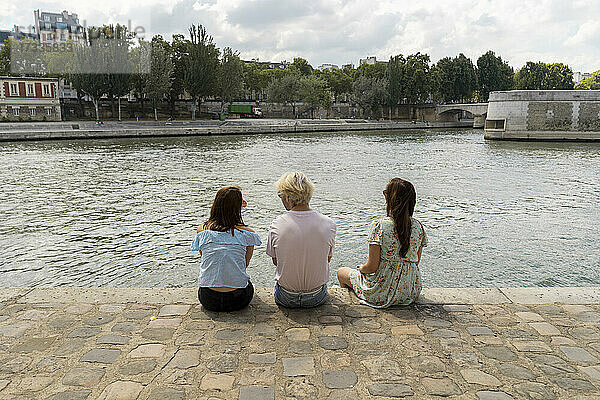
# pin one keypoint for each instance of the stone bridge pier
(449, 112)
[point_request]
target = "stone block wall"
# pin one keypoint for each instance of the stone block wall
(549, 116)
(589, 116)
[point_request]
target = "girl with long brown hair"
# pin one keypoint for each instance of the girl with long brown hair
(391, 275)
(226, 245)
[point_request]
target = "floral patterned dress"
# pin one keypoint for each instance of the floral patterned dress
(397, 281)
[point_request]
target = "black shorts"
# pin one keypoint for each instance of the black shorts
(225, 301)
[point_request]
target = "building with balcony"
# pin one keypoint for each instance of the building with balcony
(54, 28)
(24, 99)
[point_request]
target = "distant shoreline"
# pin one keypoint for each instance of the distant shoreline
(17, 132)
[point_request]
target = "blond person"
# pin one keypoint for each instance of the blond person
(301, 243)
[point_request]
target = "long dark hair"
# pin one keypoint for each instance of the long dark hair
(401, 197)
(226, 211)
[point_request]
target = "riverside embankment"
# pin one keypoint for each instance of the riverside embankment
(113, 129)
(486, 344)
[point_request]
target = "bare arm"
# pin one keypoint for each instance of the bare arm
(372, 263)
(249, 252)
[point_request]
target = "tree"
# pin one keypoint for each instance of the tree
(284, 90)
(466, 78)
(376, 71)
(114, 40)
(445, 76)
(416, 78)
(369, 94)
(231, 76)
(202, 65)
(158, 82)
(338, 80)
(396, 78)
(455, 79)
(178, 50)
(5, 58)
(531, 76)
(542, 76)
(256, 79)
(90, 76)
(314, 93)
(591, 83)
(559, 77)
(301, 66)
(493, 74)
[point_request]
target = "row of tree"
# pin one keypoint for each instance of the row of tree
(112, 66)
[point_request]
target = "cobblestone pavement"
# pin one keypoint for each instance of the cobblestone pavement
(490, 344)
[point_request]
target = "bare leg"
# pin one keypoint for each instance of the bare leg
(343, 275)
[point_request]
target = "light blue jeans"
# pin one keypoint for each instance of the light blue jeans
(304, 299)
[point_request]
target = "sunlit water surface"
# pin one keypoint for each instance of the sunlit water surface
(123, 212)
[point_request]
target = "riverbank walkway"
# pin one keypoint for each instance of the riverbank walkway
(27, 131)
(489, 344)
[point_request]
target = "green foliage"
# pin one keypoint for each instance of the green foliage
(591, 83)
(256, 79)
(231, 73)
(301, 66)
(158, 82)
(314, 92)
(5, 58)
(370, 93)
(374, 71)
(396, 78)
(493, 74)
(542, 76)
(202, 65)
(284, 90)
(454, 78)
(338, 80)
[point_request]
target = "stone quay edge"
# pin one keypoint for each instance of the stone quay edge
(89, 130)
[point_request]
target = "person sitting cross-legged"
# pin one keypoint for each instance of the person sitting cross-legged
(301, 243)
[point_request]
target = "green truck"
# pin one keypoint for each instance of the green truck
(245, 110)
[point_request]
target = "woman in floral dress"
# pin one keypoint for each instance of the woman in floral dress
(391, 275)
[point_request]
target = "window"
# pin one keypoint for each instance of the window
(32, 112)
(62, 37)
(47, 25)
(48, 111)
(58, 19)
(46, 90)
(46, 18)
(494, 124)
(30, 89)
(14, 89)
(16, 111)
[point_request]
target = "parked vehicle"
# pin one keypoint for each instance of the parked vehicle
(245, 110)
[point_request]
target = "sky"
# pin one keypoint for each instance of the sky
(343, 31)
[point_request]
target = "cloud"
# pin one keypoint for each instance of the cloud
(341, 31)
(588, 33)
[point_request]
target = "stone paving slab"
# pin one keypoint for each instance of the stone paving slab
(161, 344)
(112, 295)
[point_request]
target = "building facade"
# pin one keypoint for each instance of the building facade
(29, 99)
(54, 28)
(16, 33)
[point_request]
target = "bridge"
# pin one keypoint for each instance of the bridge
(451, 112)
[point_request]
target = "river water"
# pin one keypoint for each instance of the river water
(123, 212)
